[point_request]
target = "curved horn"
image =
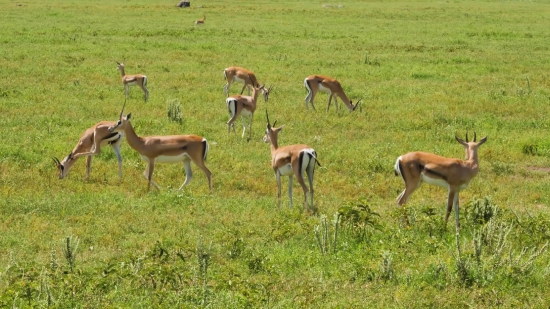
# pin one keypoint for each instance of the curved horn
(474, 136)
(357, 104)
(56, 161)
(117, 62)
(467, 141)
(122, 111)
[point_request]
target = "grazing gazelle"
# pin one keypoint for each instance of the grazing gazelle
(315, 83)
(245, 106)
(200, 21)
(131, 80)
(244, 76)
(291, 160)
(166, 149)
(453, 174)
(89, 145)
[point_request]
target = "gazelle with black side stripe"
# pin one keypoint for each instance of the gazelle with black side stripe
(244, 76)
(315, 83)
(166, 149)
(244, 106)
(131, 80)
(453, 174)
(291, 160)
(89, 145)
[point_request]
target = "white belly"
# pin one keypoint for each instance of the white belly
(168, 159)
(238, 80)
(434, 181)
(245, 113)
(324, 89)
(133, 83)
(286, 170)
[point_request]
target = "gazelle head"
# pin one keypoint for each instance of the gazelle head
(471, 147)
(271, 132)
(356, 104)
(65, 165)
(122, 121)
(120, 66)
(265, 92)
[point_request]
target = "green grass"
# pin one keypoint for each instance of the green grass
(426, 70)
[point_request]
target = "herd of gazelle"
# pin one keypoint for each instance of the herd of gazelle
(292, 160)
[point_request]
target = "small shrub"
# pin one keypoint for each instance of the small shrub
(359, 220)
(480, 211)
(174, 111)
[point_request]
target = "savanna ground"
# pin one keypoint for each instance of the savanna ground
(426, 70)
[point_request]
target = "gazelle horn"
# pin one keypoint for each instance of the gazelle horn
(122, 111)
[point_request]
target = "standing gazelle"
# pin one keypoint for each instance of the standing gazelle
(166, 149)
(245, 106)
(453, 174)
(315, 83)
(244, 76)
(200, 21)
(291, 160)
(89, 145)
(131, 80)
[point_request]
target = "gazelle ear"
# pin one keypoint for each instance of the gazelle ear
(128, 116)
(483, 140)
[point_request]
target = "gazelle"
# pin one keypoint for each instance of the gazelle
(131, 80)
(316, 83)
(291, 160)
(89, 145)
(166, 149)
(200, 21)
(247, 77)
(245, 106)
(453, 174)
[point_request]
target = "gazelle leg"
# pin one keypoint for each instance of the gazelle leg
(145, 92)
(242, 90)
(199, 161)
(88, 166)
(226, 88)
(450, 201)
(278, 178)
(244, 125)
(310, 96)
(457, 211)
(119, 159)
(148, 174)
(409, 189)
(329, 99)
(290, 182)
(188, 173)
(310, 171)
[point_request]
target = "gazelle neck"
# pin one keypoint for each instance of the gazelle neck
(273, 142)
(346, 100)
(122, 73)
(133, 139)
(255, 93)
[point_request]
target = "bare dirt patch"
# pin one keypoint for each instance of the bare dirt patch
(539, 169)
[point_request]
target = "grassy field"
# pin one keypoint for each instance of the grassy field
(426, 71)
